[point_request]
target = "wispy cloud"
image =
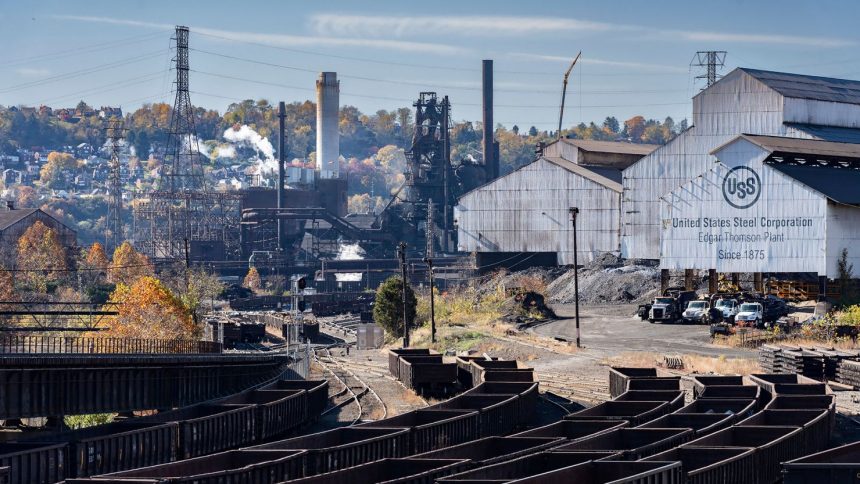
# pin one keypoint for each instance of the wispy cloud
(765, 39)
(282, 40)
(500, 26)
(32, 72)
(603, 62)
(381, 26)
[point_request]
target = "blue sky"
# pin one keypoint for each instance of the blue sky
(635, 55)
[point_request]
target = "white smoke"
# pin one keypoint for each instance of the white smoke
(226, 151)
(246, 136)
(194, 145)
(349, 252)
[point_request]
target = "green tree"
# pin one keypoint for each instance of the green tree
(533, 131)
(388, 308)
(611, 124)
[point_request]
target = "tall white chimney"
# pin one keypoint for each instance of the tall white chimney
(328, 117)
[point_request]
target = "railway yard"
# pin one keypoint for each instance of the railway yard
(621, 406)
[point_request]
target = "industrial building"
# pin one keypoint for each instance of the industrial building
(745, 101)
(14, 222)
(769, 204)
(524, 217)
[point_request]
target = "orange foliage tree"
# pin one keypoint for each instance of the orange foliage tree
(128, 265)
(41, 256)
(252, 280)
(147, 309)
(7, 292)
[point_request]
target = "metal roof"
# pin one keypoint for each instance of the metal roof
(608, 177)
(828, 133)
(620, 147)
(835, 181)
(837, 184)
(798, 146)
(11, 217)
(809, 87)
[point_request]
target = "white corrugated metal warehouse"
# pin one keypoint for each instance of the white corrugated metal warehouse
(770, 204)
(528, 210)
(745, 101)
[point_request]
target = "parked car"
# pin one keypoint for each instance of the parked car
(696, 312)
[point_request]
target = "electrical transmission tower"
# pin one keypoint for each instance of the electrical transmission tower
(114, 235)
(182, 167)
(710, 60)
(183, 217)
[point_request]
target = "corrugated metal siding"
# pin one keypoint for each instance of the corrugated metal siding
(528, 211)
(843, 232)
(822, 112)
(786, 249)
(735, 105)
(562, 150)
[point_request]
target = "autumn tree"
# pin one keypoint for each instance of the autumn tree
(202, 287)
(7, 293)
(635, 128)
(27, 197)
(51, 173)
(252, 280)
(128, 265)
(93, 273)
(147, 309)
(41, 256)
(96, 257)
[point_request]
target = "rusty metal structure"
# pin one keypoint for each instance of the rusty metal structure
(429, 173)
(183, 218)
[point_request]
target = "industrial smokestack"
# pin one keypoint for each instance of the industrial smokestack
(491, 161)
(282, 158)
(328, 117)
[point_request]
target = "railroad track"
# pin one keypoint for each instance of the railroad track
(367, 403)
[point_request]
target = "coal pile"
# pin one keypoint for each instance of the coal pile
(607, 279)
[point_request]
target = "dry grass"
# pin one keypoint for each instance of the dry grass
(692, 363)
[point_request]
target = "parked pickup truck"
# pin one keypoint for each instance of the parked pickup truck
(750, 314)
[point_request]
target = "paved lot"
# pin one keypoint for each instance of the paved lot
(610, 330)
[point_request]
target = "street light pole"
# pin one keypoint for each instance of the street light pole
(429, 262)
(401, 252)
(574, 211)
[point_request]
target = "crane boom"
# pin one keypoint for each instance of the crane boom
(564, 94)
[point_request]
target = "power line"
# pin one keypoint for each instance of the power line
(406, 64)
(107, 87)
(424, 84)
(523, 106)
(82, 72)
(83, 49)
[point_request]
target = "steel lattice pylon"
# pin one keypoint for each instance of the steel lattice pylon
(115, 234)
(182, 210)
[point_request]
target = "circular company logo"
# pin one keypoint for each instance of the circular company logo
(741, 187)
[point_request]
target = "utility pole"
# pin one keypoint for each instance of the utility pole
(428, 259)
(574, 211)
(401, 253)
(564, 94)
(710, 60)
(187, 264)
(282, 158)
